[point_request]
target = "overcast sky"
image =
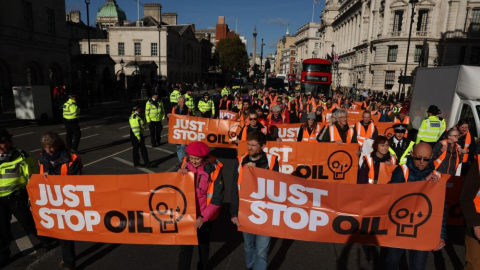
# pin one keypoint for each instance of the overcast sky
(271, 17)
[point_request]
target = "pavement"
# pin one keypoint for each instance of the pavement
(107, 150)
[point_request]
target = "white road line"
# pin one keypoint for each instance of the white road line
(36, 150)
(62, 133)
(89, 136)
(14, 136)
(112, 155)
(160, 149)
(23, 127)
(85, 128)
(23, 242)
(126, 136)
(124, 127)
(171, 168)
(100, 119)
(164, 135)
(131, 164)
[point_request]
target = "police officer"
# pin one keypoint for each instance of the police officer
(137, 127)
(190, 102)
(225, 91)
(71, 114)
(400, 146)
(16, 167)
(155, 113)
(174, 97)
(431, 128)
(206, 106)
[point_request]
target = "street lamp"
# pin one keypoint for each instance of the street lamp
(334, 64)
(412, 18)
(122, 75)
(122, 64)
(87, 2)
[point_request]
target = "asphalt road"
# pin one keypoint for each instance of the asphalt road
(107, 147)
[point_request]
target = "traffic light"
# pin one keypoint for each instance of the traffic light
(239, 73)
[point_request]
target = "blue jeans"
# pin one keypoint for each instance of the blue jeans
(181, 152)
(417, 259)
(256, 250)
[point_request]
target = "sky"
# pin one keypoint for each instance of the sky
(271, 17)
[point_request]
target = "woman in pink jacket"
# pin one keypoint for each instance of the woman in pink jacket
(209, 190)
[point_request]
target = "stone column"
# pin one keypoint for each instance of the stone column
(254, 53)
(461, 15)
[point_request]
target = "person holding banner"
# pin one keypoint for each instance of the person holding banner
(137, 128)
(470, 203)
(252, 126)
(419, 167)
(276, 117)
(329, 108)
(400, 145)
(319, 117)
(55, 159)
(225, 103)
(465, 141)
(310, 130)
(339, 131)
(261, 116)
(256, 246)
(181, 109)
(447, 154)
(209, 190)
(243, 113)
(369, 172)
(16, 168)
(366, 129)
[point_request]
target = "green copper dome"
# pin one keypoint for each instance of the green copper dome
(111, 9)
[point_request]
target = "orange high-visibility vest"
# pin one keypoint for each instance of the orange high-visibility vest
(271, 163)
(406, 172)
(440, 159)
(65, 166)
(310, 137)
(362, 135)
(244, 134)
(213, 176)
(325, 110)
(335, 135)
(220, 105)
(468, 141)
(476, 201)
(371, 172)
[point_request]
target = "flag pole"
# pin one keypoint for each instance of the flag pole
(313, 12)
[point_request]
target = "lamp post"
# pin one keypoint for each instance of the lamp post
(122, 75)
(334, 64)
(412, 18)
(136, 72)
(87, 2)
(261, 58)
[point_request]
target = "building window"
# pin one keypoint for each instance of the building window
(316, 45)
(50, 21)
(80, 49)
(475, 56)
(418, 53)
(317, 34)
(108, 48)
(461, 58)
(121, 48)
(474, 28)
(154, 49)
(389, 78)
(397, 21)
(27, 14)
(94, 48)
(392, 53)
(138, 48)
(422, 20)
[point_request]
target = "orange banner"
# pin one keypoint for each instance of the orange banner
(214, 132)
(385, 129)
(317, 161)
(224, 114)
(396, 215)
(128, 209)
(286, 132)
(354, 116)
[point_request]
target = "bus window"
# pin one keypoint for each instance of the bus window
(467, 114)
(316, 67)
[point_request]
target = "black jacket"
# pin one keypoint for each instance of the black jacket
(468, 194)
(399, 151)
(55, 169)
(262, 162)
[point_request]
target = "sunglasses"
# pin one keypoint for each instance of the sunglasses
(251, 119)
(422, 159)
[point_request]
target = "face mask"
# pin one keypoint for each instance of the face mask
(154, 99)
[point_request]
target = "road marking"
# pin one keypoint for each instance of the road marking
(100, 119)
(164, 135)
(85, 128)
(162, 150)
(14, 136)
(23, 127)
(36, 150)
(171, 168)
(89, 136)
(23, 242)
(131, 164)
(124, 127)
(112, 155)
(126, 136)
(62, 133)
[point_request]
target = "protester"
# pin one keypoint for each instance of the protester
(256, 246)
(309, 131)
(366, 129)
(400, 146)
(383, 113)
(180, 109)
(55, 159)
(369, 171)
(431, 129)
(319, 117)
(276, 117)
(419, 167)
(252, 126)
(447, 154)
(339, 132)
(470, 204)
(225, 104)
(209, 189)
(243, 113)
(465, 141)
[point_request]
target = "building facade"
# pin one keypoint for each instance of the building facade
(371, 37)
(286, 42)
(307, 42)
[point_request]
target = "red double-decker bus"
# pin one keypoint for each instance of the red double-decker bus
(316, 76)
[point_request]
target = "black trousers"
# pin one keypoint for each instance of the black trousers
(68, 253)
(16, 204)
(139, 146)
(186, 252)
(207, 114)
(73, 131)
(155, 130)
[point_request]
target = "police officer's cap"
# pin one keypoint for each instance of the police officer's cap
(72, 95)
(137, 107)
(433, 109)
(4, 135)
(206, 94)
(399, 128)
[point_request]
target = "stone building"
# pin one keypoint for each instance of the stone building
(34, 45)
(307, 42)
(286, 42)
(110, 15)
(288, 60)
(370, 38)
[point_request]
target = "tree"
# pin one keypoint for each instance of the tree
(233, 56)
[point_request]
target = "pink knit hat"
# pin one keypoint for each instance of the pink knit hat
(198, 149)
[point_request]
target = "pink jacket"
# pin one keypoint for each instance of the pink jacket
(202, 179)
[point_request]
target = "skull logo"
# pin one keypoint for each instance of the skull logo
(339, 163)
(410, 212)
(168, 205)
